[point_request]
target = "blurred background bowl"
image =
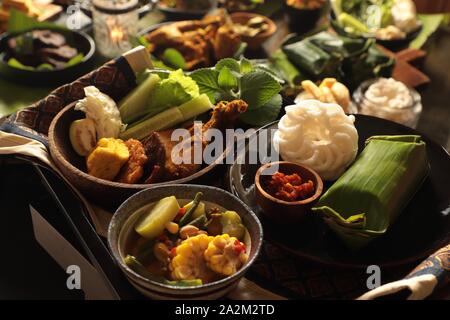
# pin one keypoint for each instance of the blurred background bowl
(393, 45)
(79, 40)
(304, 20)
(255, 42)
(176, 14)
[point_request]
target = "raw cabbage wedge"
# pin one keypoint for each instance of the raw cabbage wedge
(362, 204)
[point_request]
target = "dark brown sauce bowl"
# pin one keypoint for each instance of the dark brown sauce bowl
(280, 211)
(100, 191)
(256, 41)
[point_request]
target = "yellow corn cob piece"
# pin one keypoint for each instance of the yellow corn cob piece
(189, 262)
(107, 158)
(222, 257)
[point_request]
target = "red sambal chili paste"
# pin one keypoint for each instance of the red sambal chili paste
(290, 187)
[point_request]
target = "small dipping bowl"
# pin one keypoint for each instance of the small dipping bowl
(255, 42)
(407, 116)
(280, 211)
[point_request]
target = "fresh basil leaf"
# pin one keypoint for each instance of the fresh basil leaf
(246, 66)
(267, 69)
(230, 63)
(207, 82)
(257, 88)
(174, 58)
(265, 114)
(226, 79)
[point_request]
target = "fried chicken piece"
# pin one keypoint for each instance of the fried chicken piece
(159, 145)
(201, 42)
(226, 42)
(133, 169)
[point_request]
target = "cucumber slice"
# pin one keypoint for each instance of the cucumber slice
(152, 224)
(134, 105)
(168, 118)
(161, 121)
(195, 107)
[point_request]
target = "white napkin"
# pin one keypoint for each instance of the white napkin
(93, 285)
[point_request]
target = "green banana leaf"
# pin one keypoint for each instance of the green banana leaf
(314, 60)
(339, 45)
(350, 60)
(364, 202)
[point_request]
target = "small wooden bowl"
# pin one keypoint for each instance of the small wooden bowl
(285, 212)
(255, 42)
(73, 166)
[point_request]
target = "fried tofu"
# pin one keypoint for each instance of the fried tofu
(108, 157)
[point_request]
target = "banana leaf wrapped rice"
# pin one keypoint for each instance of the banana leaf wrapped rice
(364, 202)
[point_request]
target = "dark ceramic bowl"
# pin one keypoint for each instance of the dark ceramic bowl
(303, 20)
(280, 211)
(174, 14)
(79, 40)
(121, 231)
(255, 42)
(393, 45)
(73, 166)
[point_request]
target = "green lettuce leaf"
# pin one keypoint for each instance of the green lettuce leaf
(173, 91)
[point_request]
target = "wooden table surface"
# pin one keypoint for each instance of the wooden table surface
(435, 119)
